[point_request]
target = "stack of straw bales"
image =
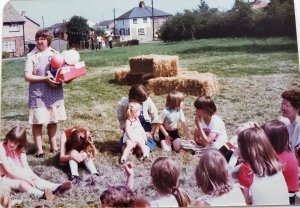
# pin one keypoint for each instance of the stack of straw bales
(188, 82)
(161, 74)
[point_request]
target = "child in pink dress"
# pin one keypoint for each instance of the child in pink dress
(15, 170)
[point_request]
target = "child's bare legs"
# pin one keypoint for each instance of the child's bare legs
(37, 136)
(42, 184)
(51, 130)
(176, 143)
(89, 164)
(129, 146)
(145, 149)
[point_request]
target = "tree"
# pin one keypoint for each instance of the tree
(78, 31)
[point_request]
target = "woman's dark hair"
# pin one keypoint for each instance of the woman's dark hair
(206, 103)
(138, 92)
(17, 134)
(293, 96)
(278, 135)
(44, 33)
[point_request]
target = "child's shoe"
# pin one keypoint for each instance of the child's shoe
(122, 161)
(75, 179)
(63, 187)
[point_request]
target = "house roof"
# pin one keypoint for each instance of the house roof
(106, 22)
(29, 19)
(58, 28)
(138, 12)
(10, 14)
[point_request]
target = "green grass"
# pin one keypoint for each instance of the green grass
(252, 75)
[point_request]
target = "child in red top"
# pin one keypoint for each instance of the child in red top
(76, 146)
(279, 137)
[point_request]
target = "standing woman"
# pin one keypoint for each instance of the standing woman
(290, 108)
(46, 99)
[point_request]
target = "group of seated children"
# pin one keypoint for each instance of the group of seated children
(260, 158)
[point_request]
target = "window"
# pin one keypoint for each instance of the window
(14, 27)
(9, 46)
(122, 31)
(141, 31)
(134, 20)
(128, 31)
(145, 20)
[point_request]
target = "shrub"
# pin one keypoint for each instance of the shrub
(5, 55)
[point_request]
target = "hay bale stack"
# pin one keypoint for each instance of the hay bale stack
(188, 82)
(121, 74)
(158, 65)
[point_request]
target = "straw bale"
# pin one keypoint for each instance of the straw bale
(121, 73)
(188, 82)
(158, 65)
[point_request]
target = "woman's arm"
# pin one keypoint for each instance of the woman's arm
(29, 77)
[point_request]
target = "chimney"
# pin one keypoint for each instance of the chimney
(23, 13)
(142, 4)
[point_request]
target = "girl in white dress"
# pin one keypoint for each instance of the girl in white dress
(135, 134)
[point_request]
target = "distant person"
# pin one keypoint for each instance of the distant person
(135, 135)
(110, 41)
(100, 40)
(213, 179)
(290, 108)
(76, 146)
(165, 174)
(169, 120)
(16, 172)
(261, 172)
(148, 117)
(46, 97)
(279, 137)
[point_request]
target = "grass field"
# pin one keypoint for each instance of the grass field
(252, 75)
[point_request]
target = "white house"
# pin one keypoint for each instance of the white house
(137, 23)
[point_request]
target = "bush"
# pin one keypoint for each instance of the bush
(133, 42)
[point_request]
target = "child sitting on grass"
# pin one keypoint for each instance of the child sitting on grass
(15, 170)
(278, 135)
(261, 172)
(76, 146)
(168, 122)
(135, 135)
(213, 179)
(165, 179)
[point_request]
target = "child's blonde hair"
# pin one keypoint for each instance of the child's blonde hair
(81, 140)
(210, 181)
(165, 177)
(174, 99)
(132, 108)
(256, 149)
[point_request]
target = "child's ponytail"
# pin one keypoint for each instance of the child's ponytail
(181, 196)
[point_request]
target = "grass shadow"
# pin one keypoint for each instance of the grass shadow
(108, 147)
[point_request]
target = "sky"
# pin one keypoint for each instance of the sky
(49, 12)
